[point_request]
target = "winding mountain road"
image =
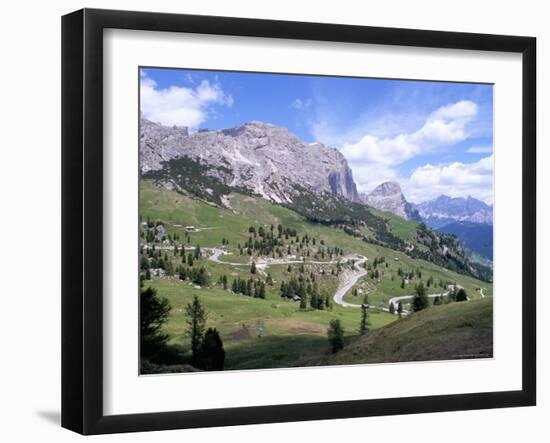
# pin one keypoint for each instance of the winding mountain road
(215, 257)
(348, 282)
(265, 263)
(396, 300)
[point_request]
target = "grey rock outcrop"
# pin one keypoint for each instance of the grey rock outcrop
(263, 158)
(444, 209)
(388, 197)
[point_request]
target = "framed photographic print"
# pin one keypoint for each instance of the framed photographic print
(269, 221)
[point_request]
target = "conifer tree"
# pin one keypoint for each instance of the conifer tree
(224, 282)
(335, 335)
(212, 354)
(363, 328)
(461, 295)
(262, 290)
(196, 322)
(420, 300)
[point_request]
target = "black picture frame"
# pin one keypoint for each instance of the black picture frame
(82, 215)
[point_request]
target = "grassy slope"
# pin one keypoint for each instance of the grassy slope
(402, 228)
(290, 333)
(174, 208)
(457, 330)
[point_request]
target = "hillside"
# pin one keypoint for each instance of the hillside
(318, 258)
(477, 237)
(189, 176)
(446, 332)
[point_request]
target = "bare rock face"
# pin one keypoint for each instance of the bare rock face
(388, 197)
(444, 209)
(158, 143)
(263, 158)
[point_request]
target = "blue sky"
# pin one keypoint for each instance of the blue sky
(431, 137)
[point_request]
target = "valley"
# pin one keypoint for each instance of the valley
(299, 220)
(310, 273)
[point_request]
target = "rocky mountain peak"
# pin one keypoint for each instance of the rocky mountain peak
(444, 209)
(264, 158)
(387, 189)
(389, 197)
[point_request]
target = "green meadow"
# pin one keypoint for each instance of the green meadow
(274, 331)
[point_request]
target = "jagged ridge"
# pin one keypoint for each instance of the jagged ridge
(265, 159)
(389, 197)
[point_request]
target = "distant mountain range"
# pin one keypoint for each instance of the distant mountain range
(444, 210)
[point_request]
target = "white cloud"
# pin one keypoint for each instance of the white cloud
(376, 174)
(445, 126)
(480, 150)
(180, 106)
(455, 180)
(301, 104)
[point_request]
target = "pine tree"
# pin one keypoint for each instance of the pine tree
(212, 354)
(328, 300)
(335, 335)
(144, 263)
(400, 309)
(242, 286)
(363, 327)
(253, 268)
(154, 311)
(169, 268)
(201, 277)
(392, 308)
(303, 302)
(224, 282)
(461, 295)
(262, 290)
(196, 321)
(420, 300)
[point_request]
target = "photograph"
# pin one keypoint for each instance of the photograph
(294, 220)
